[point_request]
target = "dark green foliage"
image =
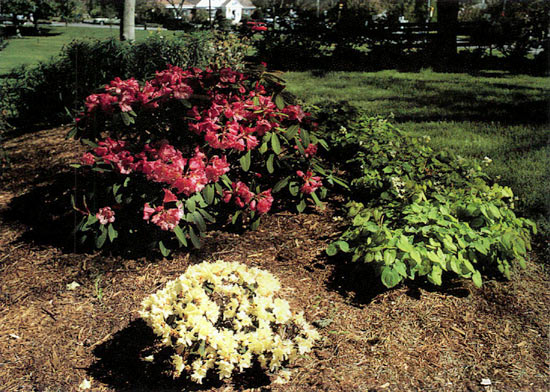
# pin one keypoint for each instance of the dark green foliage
(414, 212)
(48, 92)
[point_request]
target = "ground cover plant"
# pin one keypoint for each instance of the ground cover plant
(417, 212)
(189, 146)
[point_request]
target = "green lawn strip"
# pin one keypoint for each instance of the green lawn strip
(503, 117)
(30, 50)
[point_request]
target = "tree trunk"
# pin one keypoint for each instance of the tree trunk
(447, 19)
(127, 22)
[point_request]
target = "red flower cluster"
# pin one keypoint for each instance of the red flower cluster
(261, 203)
(127, 94)
(105, 215)
(164, 164)
(311, 182)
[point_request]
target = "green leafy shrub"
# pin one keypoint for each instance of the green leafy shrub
(414, 212)
(223, 317)
(48, 92)
(186, 148)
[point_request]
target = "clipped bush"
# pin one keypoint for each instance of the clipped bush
(188, 148)
(415, 212)
(49, 92)
(222, 318)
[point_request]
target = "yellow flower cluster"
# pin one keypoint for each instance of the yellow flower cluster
(224, 316)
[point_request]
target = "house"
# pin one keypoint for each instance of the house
(231, 9)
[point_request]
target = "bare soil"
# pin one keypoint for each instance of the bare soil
(414, 337)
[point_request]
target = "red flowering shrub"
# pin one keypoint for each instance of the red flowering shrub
(189, 147)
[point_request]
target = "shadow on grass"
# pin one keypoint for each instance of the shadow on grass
(120, 364)
(30, 31)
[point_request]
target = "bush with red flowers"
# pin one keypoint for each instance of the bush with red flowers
(187, 148)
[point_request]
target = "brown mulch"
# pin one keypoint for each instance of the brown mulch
(414, 337)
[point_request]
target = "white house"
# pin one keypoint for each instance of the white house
(232, 9)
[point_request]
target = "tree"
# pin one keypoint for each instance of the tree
(127, 23)
(67, 9)
(149, 10)
(38, 9)
(177, 7)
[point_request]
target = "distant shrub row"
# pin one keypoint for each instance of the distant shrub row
(51, 91)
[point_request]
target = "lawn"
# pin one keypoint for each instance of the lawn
(29, 50)
(501, 116)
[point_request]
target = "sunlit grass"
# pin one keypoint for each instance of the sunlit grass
(501, 116)
(30, 50)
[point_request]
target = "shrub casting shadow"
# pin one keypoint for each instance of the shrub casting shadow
(360, 281)
(120, 365)
(357, 280)
(46, 210)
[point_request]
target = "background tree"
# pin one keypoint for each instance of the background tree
(149, 11)
(128, 20)
(67, 10)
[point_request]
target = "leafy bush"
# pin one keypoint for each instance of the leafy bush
(226, 316)
(46, 93)
(415, 212)
(163, 153)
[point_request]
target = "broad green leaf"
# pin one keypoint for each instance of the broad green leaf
(476, 277)
(194, 239)
(400, 267)
(269, 163)
(126, 119)
(191, 205)
(199, 221)
(301, 206)
(208, 194)
(275, 144)
(280, 102)
(291, 131)
(235, 216)
(180, 235)
(389, 256)
(245, 161)
(280, 185)
(163, 249)
(255, 224)
(100, 240)
(415, 255)
(332, 249)
(404, 244)
(343, 245)
(316, 200)
(293, 188)
(390, 278)
(304, 134)
(435, 275)
(113, 234)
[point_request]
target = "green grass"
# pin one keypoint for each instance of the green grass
(504, 117)
(30, 50)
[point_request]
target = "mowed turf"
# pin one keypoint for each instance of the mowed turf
(497, 115)
(32, 49)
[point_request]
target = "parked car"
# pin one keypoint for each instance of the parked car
(256, 26)
(103, 21)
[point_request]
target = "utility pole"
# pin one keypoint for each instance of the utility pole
(128, 21)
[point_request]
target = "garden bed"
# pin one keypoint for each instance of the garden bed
(414, 337)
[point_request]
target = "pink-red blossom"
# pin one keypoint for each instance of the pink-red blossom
(105, 215)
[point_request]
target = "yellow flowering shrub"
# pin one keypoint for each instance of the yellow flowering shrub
(223, 316)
